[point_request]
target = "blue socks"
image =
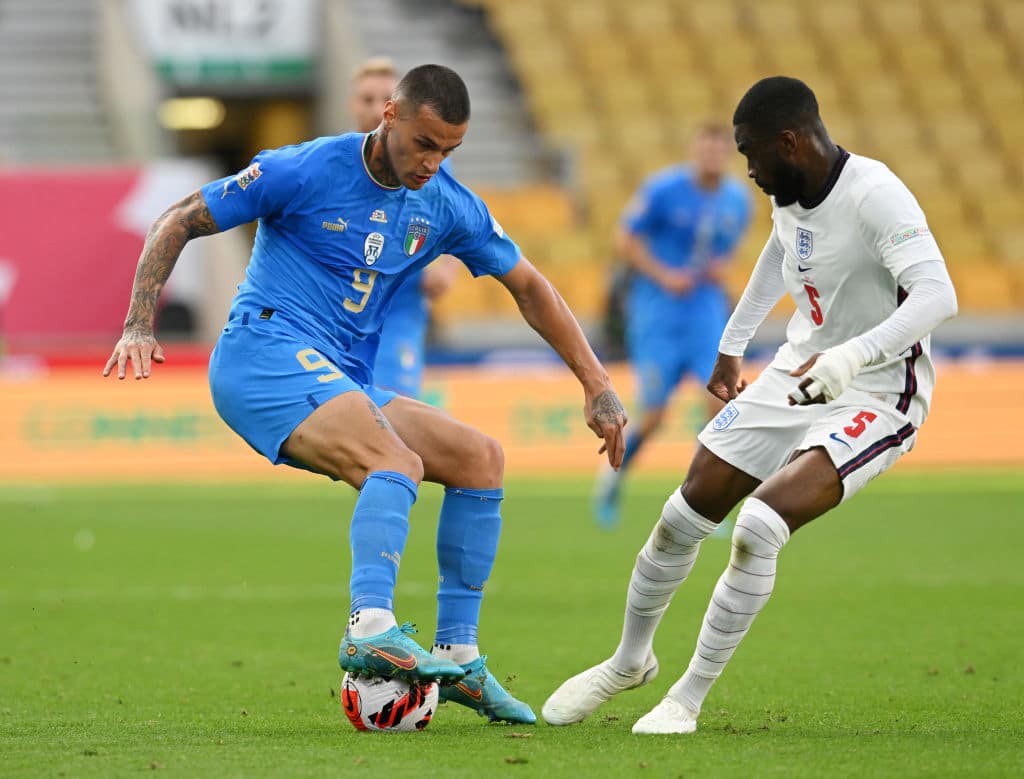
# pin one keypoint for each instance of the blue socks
(467, 543)
(633, 443)
(380, 526)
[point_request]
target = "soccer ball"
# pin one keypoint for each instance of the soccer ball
(387, 704)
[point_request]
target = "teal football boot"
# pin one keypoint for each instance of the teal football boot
(482, 693)
(393, 654)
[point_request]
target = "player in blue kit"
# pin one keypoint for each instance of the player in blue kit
(403, 336)
(343, 221)
(677, 235)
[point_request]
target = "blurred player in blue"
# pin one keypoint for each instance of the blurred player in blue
(403, 337)
(677, 235)
(343, 222)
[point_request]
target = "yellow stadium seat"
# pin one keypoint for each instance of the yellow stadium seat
(984, 56)
(602, 55)
(983, 286)
(583, 18)
(879, 98)
(836, 23)
(942, 93)
(646, 18)
(624, 95)
(981, 173)
(710, 19)
(960, 19)
(920, 170)
(920, 58)
(899, 20)
(664, 54)
(957, 132)
(690, 99)
(782, 58)
(1009, 245)
(1000, 213)
(511, 20)
(779, 20)
(858, 58)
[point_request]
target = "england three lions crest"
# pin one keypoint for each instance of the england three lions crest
(804, 243)
(416, 235)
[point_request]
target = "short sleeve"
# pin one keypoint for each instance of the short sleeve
(478, 240)
(640, 213)
(264, 189)
(893, 223)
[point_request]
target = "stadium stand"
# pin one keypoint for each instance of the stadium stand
(934, 88)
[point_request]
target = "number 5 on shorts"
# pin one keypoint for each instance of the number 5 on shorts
(312, 360)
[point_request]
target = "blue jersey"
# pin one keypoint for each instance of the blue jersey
(333, 245)
(684, 226)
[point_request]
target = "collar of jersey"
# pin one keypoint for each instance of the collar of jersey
(362, 158)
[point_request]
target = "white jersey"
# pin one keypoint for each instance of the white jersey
(841, 261)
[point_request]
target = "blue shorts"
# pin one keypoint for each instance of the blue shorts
(662, 359)
(399, 364)
(266, 379)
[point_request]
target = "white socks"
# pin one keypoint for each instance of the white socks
(463, 654)
(740, 594)
(662, 565)
(370, 622)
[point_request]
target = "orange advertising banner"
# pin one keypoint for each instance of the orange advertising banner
(72, 425)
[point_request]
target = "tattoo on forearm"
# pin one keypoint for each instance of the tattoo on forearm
(607, 408)
(382, 421)
(175, 227)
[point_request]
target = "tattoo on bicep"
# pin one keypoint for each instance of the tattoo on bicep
(607, 407)
(382, 421)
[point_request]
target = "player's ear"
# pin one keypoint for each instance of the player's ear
(390, 112)
(788, 142)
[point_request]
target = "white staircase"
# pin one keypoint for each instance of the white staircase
(50, 106)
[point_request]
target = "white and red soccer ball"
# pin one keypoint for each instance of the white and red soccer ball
(387, 704)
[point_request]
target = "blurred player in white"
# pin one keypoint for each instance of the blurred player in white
(840, 403)
(403, 337)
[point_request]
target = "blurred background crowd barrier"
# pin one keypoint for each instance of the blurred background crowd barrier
(113, 109)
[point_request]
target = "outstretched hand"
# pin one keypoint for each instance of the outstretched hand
(606, 417)
(725, 382)
(141, 348)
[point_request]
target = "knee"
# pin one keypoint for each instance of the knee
(340, 465)
(489, 461)
(760, 533)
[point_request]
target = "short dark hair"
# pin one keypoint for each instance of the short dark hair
(777, 103)
(438, 87)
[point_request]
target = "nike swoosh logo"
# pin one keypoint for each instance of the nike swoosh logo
(836, 438)
(408, 662)
(803, 270)
(477, 695)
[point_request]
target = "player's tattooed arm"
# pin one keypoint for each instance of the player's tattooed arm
(185, 220)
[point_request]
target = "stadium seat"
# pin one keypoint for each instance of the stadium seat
(934, 88)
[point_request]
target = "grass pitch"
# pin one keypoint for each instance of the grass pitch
(192, 631)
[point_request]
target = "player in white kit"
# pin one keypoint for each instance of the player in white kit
(839, 404)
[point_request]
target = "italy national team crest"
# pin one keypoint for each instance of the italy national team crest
(416, 235)
(372, 247)
(804, 243)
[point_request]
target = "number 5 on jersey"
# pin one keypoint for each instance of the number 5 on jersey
(812, 295)
(362, 282)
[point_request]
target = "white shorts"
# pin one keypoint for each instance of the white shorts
(759, 431)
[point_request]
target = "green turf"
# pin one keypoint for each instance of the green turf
(192, 631)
